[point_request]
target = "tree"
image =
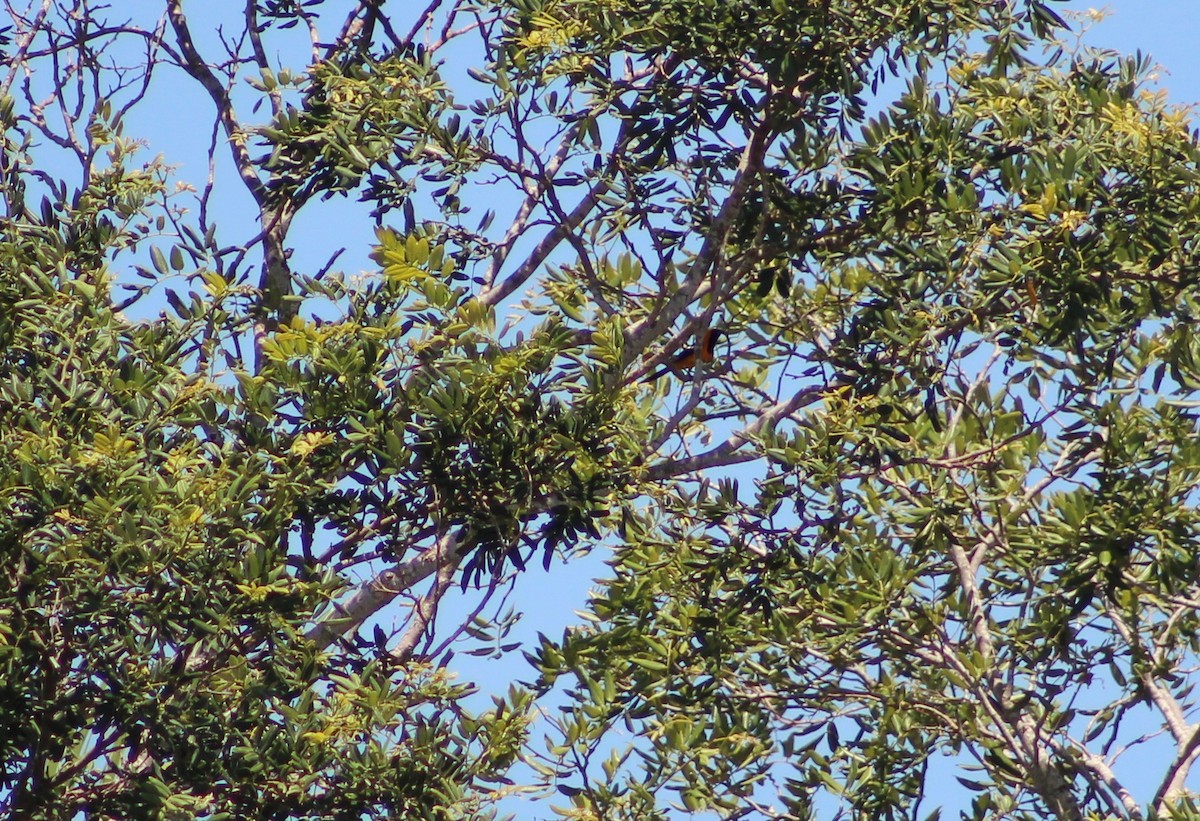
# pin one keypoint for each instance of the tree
(933, 499)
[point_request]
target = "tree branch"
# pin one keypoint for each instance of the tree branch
(426, 607)
(727, 452)
(195, 66)
(17, 58)
(372, 596)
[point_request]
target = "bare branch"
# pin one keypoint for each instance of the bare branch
(727, 452)
(425, 608)
(374, 595)
(17, 59)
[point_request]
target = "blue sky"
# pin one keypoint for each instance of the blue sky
(1164, 28)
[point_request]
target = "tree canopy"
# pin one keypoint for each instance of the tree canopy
(924, 510)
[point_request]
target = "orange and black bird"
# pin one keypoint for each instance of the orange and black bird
(704, 351)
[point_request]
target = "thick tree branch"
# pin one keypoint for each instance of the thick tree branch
(424, 610)
(1104, 775)
(382, 590)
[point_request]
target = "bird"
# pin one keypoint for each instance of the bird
(705, 351)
